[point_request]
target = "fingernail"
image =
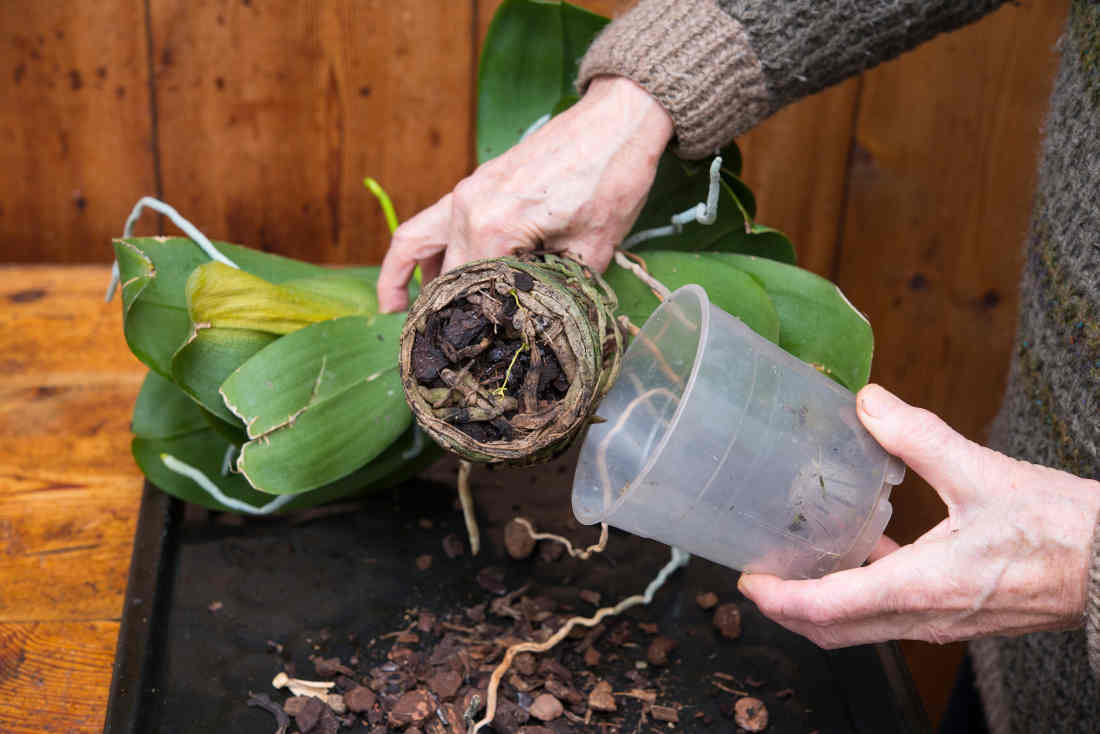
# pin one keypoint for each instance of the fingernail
(876, 401)
(744, 584)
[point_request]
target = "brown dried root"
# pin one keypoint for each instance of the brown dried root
(679, 558)
(466, 498)
(583, 554)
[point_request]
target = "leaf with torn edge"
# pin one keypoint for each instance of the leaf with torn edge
(319, 403)
(166, 421)
(203, 363)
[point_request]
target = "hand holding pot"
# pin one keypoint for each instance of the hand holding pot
(1011, 557)
(576, 185)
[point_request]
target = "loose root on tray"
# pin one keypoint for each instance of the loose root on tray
(679, 558)
(583, 554)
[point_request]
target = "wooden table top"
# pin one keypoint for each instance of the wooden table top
(69, 494)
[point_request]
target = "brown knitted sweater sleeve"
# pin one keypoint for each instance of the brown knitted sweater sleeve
(720, 66)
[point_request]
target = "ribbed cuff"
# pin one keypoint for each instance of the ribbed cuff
(695, 59)
(1092, 604)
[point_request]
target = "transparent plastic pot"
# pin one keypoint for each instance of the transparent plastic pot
(717, 441)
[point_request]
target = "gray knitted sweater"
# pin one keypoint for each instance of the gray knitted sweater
(721, 66)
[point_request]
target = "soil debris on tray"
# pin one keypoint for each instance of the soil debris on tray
(706, 600)
(727, 619)
(659, 650)
(518, 540)
(750, 714)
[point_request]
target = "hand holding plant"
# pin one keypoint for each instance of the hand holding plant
(577, 185)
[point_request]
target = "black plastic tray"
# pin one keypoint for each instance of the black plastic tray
(328, 581)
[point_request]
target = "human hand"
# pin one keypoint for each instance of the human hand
(1011, 557)
(576, 185)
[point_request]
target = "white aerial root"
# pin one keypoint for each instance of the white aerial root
(679, 558)
(582, 553)
(148, 202)
(466, 498)
(703, 212)
(198, 477)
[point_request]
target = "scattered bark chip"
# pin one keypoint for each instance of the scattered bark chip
(411, 708)
(659, 650)
(509, 717)
(309, 713)
(492, 580)
(549, 666)
(453, 546)
(524, 282)
(591, 657)
(330, 667)
(600, 699)
(445, 684)
(620, 633)
(727, 619)
(427, 359)
(525, 663)
(425, 622)
(590, 596)
(518, 540)
(536, 730)
(424, 562)
(650, 628)
(706, 599)
(664, 713)
(546, 708)
(750, 714)
(360, 699)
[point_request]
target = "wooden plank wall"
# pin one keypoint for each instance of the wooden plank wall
(909, 186)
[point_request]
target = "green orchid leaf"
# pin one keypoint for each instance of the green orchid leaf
(154, 273)
(310, 366)
(727, 287)
(762, 242)
(746, 200)
(163, 410)
(319, 403)
(203, 363)
(817, 323)
(329, 439)
(155, 321)
(167, 421)
(528, 63)
(579, 29)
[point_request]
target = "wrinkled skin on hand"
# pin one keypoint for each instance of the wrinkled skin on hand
(575, 185)
(1011, 557)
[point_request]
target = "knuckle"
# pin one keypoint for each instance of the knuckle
(466, 194)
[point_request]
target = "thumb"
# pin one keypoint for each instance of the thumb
(930, 447)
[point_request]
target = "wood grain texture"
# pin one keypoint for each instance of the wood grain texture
(796, 163)
(54, 676)
(272, 113)
(56, 329)
(69, 494)
(75, 132)
(940, 189)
